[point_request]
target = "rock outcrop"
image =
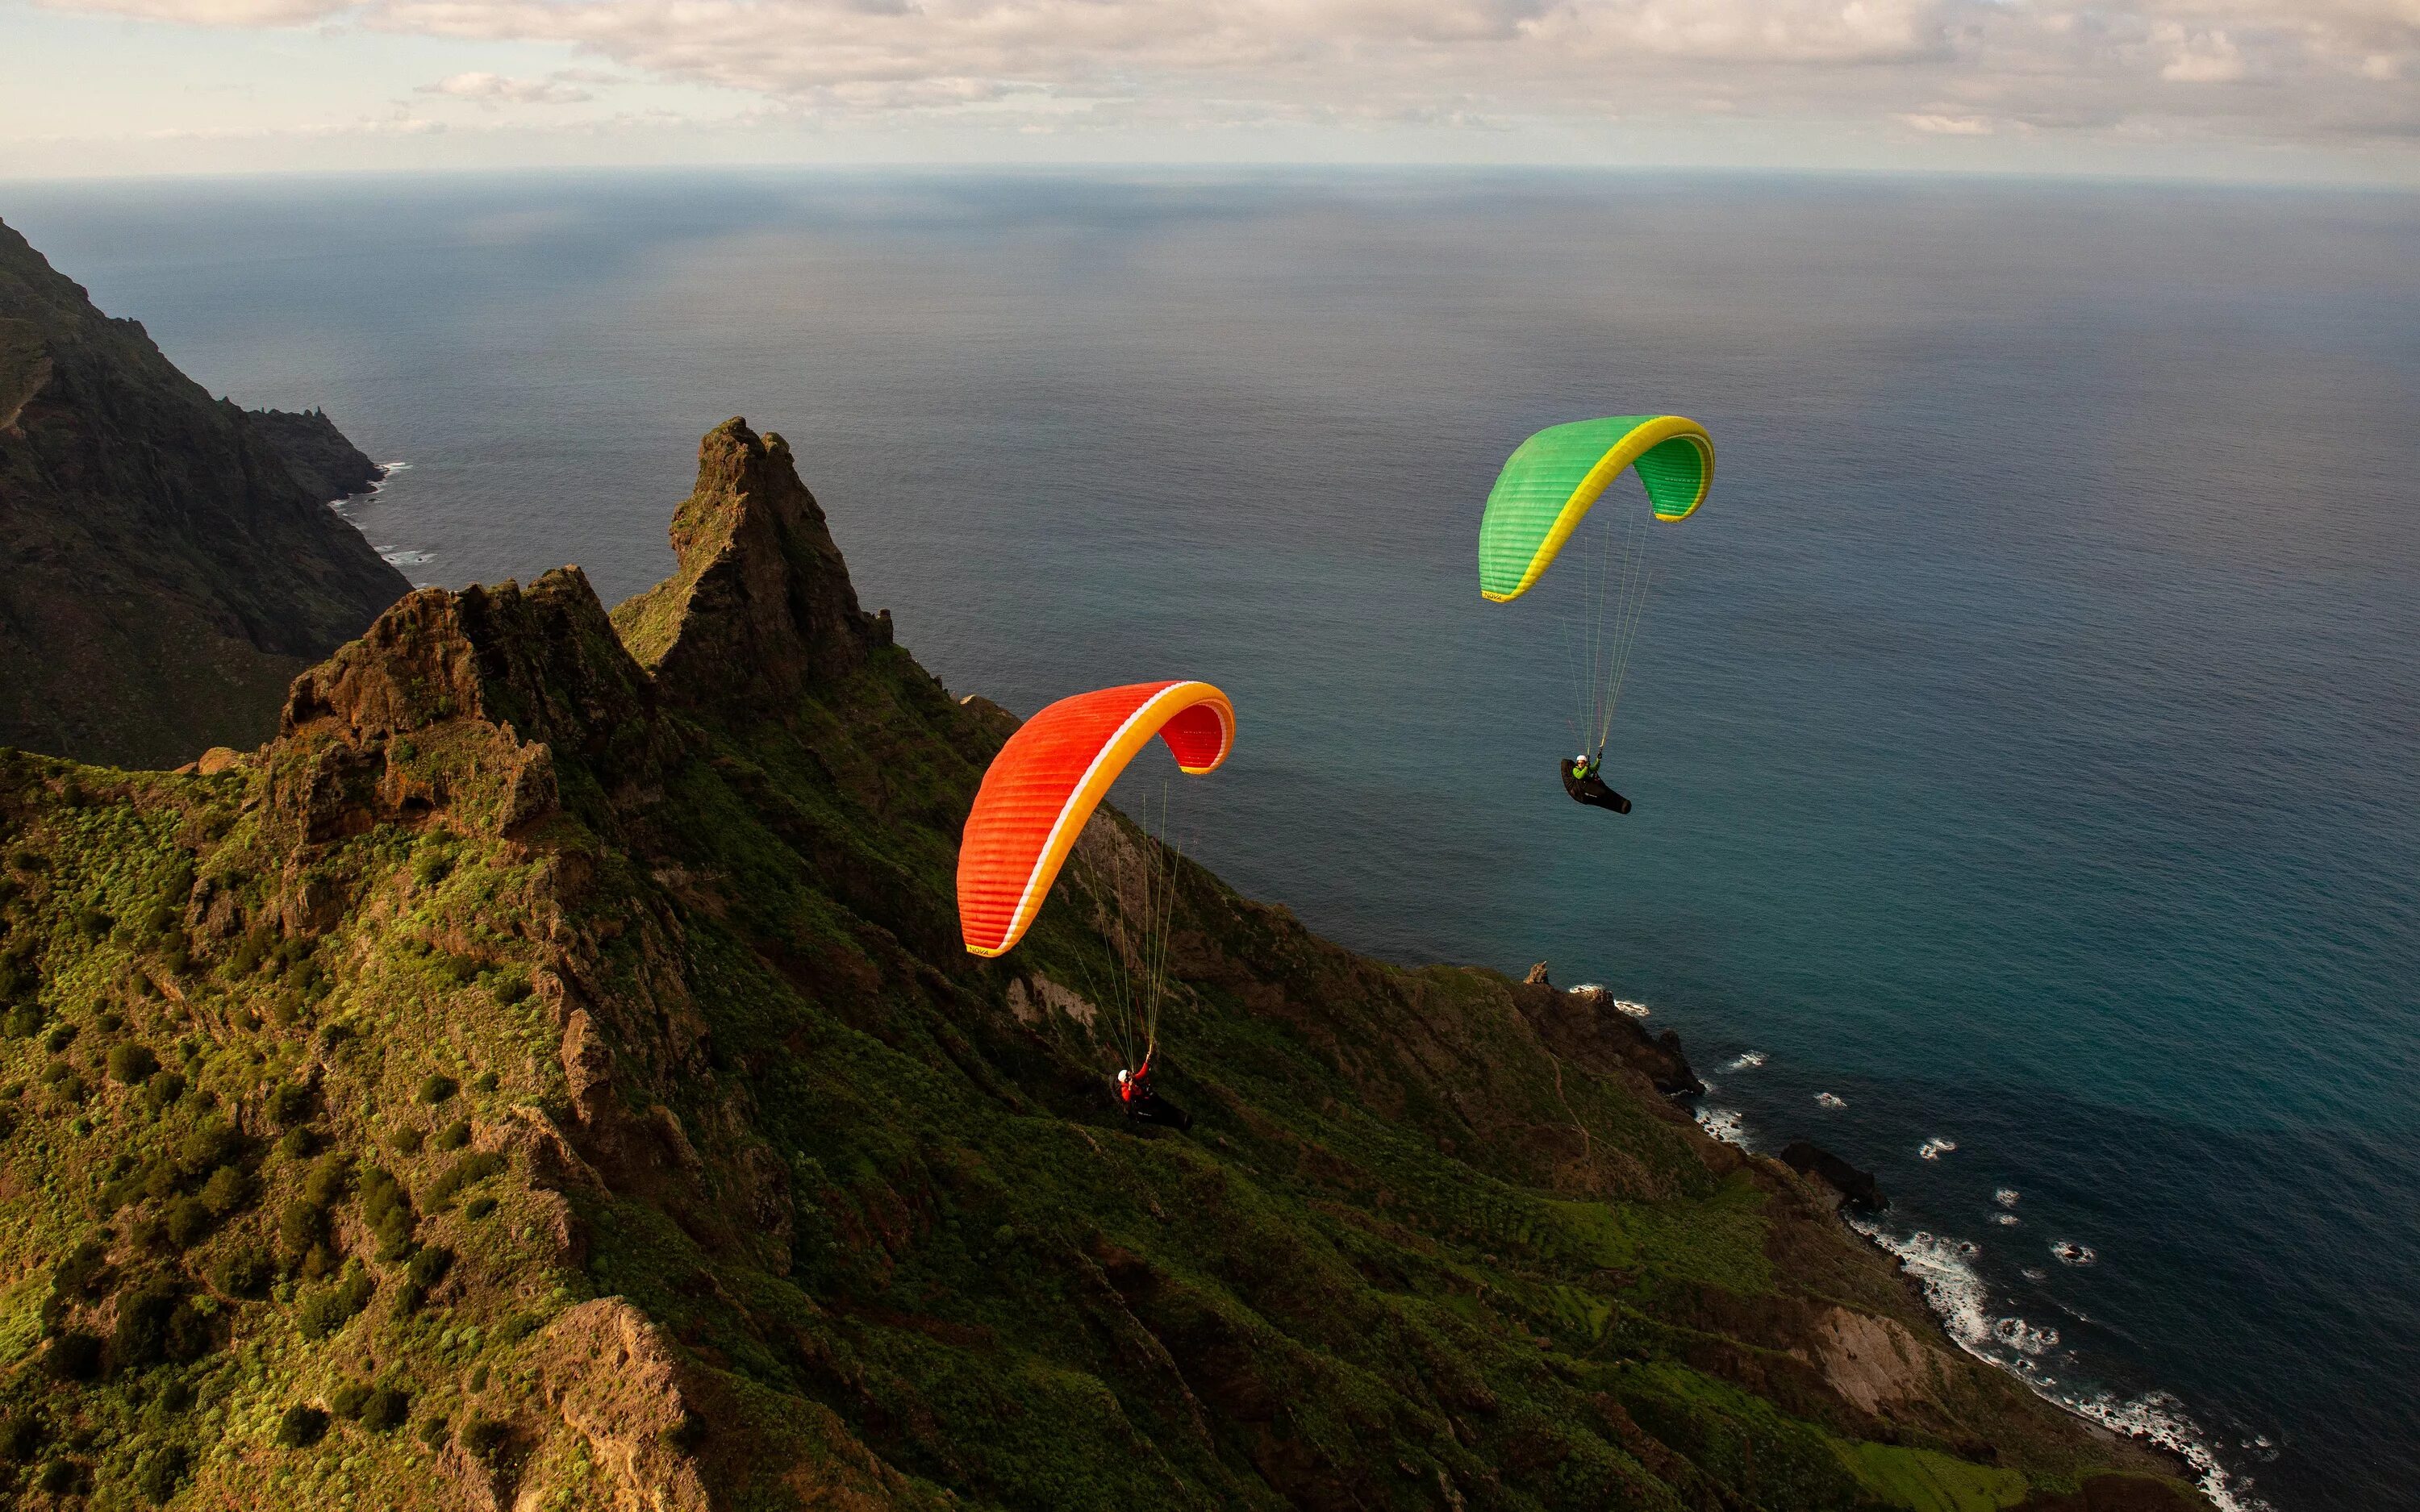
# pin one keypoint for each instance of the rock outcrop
(1857, 1188)
(1585, 1025)
(165, 572)
(467, 704)
(327, 465)
(761, 609)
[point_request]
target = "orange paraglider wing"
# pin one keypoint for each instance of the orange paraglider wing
(1053, 774)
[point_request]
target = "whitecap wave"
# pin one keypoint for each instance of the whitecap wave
(2024, 1337)
(404, 556)
(2006, 1220)
(386, 475)
(2006, 1196)
(1746, 1060)
(1724, 1124)
(1936, 1147)
(1827, 1099)
(1636, 1010)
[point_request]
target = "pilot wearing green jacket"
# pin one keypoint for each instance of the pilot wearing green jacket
(1580, 779)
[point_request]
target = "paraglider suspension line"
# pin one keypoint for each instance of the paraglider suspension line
(1605, 628)
(1139, 931)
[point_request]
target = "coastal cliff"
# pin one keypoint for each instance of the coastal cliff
(327, 465)
(546, 1075)
(170, 563)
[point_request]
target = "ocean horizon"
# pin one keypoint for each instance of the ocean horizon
(2024, 736)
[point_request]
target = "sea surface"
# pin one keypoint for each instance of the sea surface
(2024, 737)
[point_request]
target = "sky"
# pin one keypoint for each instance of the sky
(2319, 91)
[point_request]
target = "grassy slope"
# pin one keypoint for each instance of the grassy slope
(708, 1045)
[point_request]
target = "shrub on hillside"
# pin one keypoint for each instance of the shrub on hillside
(226, 1190)
(157, 1472)
(74, 1356)
(157, 1323)
(162, 1089)
(468, 1171)
(212, 1142)
(20, 1435)
(186, 1222)
(330, 1308)
(482, 1437)
(288, 1104)
(385, 1408)
(330, 1177)
(301, 1426)
(243, 1272)
(387, 1208)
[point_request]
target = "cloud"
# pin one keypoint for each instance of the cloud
(496, 89)
(2201, 57)
(1948, 125)
(229, 13)
(2326, 69)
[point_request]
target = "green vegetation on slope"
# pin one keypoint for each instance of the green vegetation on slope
(530, 1082)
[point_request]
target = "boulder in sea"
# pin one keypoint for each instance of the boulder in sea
(1855, 1187)
(1537, 976)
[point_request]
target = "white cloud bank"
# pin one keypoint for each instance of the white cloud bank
(2247, 72)
(496, 89)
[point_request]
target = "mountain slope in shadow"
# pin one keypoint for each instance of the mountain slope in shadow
(165, 573)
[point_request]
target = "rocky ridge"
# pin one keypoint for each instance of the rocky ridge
(545, 1075)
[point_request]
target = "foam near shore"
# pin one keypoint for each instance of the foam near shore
(1944, 1271)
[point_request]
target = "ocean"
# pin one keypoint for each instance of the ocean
(2024, 737)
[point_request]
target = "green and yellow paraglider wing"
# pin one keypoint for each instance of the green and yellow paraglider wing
(1547, 486)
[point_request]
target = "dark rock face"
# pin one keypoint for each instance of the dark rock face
(166, 574)
(1852, 1184)
(463, 704)
(316, 452)
(1586, 1027)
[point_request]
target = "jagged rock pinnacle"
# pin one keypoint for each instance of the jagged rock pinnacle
(762, 608)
